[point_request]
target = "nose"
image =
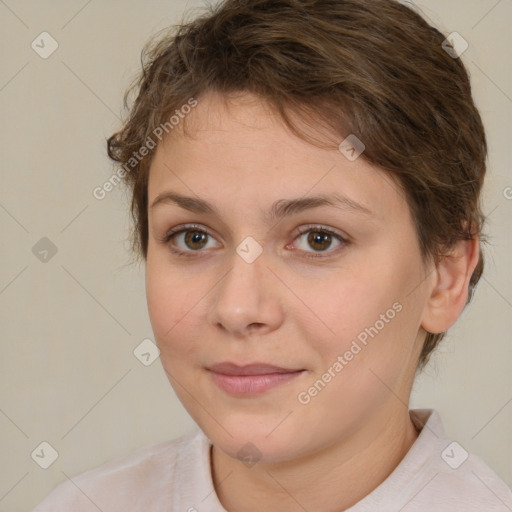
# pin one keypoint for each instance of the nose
(248, 299)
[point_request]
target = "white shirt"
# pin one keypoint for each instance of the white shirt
(175, 476)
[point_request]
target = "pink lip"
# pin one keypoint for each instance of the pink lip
(250, 379)
(228, 368)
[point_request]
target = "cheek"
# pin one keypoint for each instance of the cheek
(366, 359)
(172, 303)
(367, 319)
(352, 303)
(160, 298)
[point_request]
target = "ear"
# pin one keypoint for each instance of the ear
(451, 286)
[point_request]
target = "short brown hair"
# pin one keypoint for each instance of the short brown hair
(372, 68)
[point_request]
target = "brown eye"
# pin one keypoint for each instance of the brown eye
(195, 239)
(319, 240)
(187, 240)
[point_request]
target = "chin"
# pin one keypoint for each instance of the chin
(252, 443)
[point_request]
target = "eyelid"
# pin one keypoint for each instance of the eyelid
(180, 229)
(342, 238)
(320, 227)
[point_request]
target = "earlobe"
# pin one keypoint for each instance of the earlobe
(451, 286)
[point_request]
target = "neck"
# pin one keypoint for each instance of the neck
(331, 480)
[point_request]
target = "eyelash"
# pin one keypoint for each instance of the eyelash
(306, 229)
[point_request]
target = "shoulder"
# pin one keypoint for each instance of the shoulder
(438, 474)
(453, 479)
(139, 479)
(463, 481)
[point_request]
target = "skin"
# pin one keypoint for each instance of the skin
(289, 310)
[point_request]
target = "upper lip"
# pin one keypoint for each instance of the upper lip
(227, 368)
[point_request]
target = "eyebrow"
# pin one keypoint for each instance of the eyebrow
(280, 209)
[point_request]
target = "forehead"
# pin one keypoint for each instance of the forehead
(242, 148)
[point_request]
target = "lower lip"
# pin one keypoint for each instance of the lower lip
(251, 384)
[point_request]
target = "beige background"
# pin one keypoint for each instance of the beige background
(70, 325)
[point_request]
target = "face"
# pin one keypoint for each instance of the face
(332, 291)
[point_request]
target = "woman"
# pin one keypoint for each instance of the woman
(306, 181)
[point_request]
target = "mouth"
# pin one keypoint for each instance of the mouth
(251, 379)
